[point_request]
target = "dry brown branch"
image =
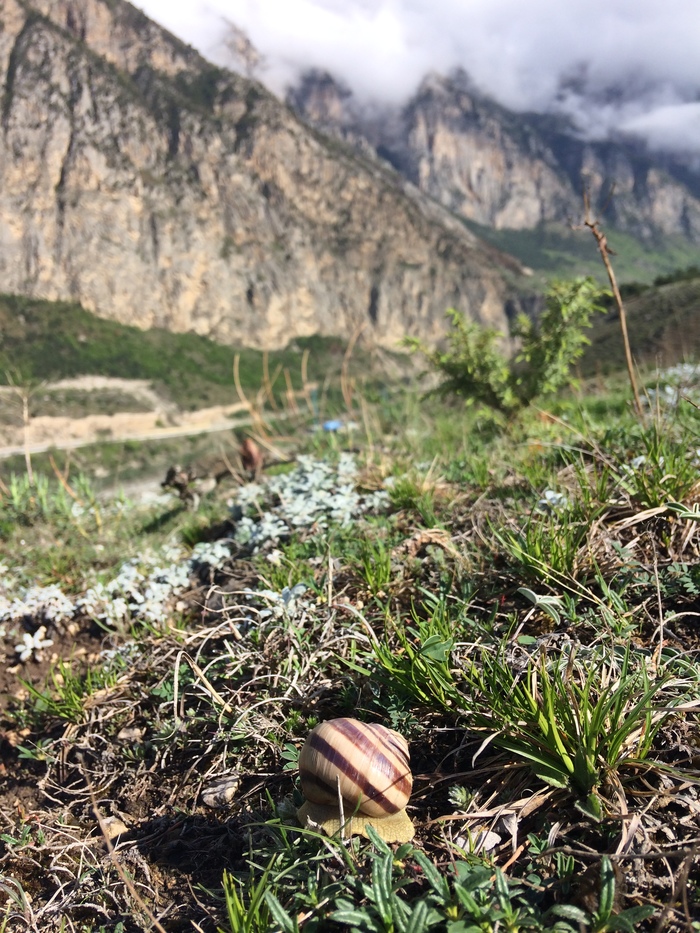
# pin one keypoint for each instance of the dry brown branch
(605, 251)
(253, 410)
(24, 393)
(290, 395)
(63, 480)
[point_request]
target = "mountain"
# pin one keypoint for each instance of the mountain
(506, 170)
(159, 190)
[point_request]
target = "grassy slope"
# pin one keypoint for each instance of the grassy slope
(42, 340)
(423, 625)
(663, 325)
(557, 251)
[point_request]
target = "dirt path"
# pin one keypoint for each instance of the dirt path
(164, 421)
(139, 388)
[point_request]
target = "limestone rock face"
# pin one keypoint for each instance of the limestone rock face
(508, 170)
(158, 190)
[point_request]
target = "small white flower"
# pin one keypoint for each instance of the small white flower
(279, 604)
(32, 645)
(552, 501)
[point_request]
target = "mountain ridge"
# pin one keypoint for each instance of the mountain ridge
(508, 170)
(158, 189)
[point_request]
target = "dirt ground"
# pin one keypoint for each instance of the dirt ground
(162, 421)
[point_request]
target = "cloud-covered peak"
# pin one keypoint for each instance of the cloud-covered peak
(610, 64)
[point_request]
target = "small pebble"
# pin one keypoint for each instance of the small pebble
(221, 791)
(112, 827)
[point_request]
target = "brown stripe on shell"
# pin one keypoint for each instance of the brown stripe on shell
(379, 744)
(388, 746)
(399, 744)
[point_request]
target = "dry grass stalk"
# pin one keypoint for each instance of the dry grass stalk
(347, 383)
(605, 252)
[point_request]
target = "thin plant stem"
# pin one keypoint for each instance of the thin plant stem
(604, 249)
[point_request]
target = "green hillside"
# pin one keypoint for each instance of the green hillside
(44, 340)
(663, 324)
(554, 250)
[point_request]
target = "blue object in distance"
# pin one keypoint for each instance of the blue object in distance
(333, 425)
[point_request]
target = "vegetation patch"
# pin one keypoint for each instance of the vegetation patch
(44, 340)
(557, 250)
(519, 602)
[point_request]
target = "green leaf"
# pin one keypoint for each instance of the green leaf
(381, 887)
(607, 890)
(357, 919)
(629, 919)
(436, 649)
(286, 923)
(377, 841)
(569, 912)
(418, 921)
(591, 807)
(437, 882)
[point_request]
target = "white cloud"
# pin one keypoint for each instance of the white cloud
(630, 57)
(675, 127)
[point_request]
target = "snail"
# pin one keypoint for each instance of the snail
(353, 773)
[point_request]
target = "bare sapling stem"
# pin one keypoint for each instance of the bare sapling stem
(604, 249)
(24, 394)
(25, 434)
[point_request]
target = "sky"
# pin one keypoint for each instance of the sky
(629, 65)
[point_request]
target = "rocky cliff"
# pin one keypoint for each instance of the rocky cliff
(159, 190)
(508, 170)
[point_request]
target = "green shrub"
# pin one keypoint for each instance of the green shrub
(476, 368)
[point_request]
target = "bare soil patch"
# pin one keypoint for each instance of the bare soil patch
(153, 418)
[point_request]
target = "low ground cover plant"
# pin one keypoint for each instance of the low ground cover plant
(521, 605)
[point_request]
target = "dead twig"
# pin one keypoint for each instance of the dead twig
(605, 252)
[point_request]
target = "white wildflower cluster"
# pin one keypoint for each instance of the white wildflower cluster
(688, 373)
(315, 493)
(551, 502)
(640, 464)
(144, 587)
(44, 603)
(255, 532)
(33, 645)
(279, 605)
(680, 380)
(212, 553)
(137, 591)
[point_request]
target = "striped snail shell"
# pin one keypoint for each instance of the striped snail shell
(370, 761)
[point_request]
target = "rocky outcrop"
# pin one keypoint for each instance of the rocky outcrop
(158, 190)
(508, 170)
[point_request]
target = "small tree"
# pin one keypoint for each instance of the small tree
(476, 368)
